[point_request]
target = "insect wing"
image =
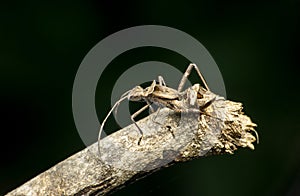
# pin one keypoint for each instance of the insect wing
(164, 92)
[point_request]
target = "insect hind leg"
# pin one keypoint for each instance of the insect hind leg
(186, 75)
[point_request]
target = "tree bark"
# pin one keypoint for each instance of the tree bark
(168, 138)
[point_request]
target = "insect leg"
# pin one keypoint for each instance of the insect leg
(186, 75)
(161, 81)
(154, 117)
(135, 115)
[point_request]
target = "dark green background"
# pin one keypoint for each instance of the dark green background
(254, 44)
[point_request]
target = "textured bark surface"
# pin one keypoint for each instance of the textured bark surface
(168, 138)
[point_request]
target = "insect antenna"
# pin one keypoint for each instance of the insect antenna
(122, 96)
(105, 119)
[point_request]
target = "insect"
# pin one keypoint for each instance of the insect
(160, 94)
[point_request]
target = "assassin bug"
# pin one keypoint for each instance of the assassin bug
(160, 94)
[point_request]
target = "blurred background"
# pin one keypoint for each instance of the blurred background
(254, 44)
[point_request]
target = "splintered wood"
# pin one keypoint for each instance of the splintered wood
(223, 130)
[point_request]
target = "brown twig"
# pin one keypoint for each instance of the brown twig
(172, 137)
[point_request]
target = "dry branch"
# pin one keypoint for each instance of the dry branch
(169, 138)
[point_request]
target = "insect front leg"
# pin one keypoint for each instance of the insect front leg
(154, 117)
(186, 75)
(135, 115)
